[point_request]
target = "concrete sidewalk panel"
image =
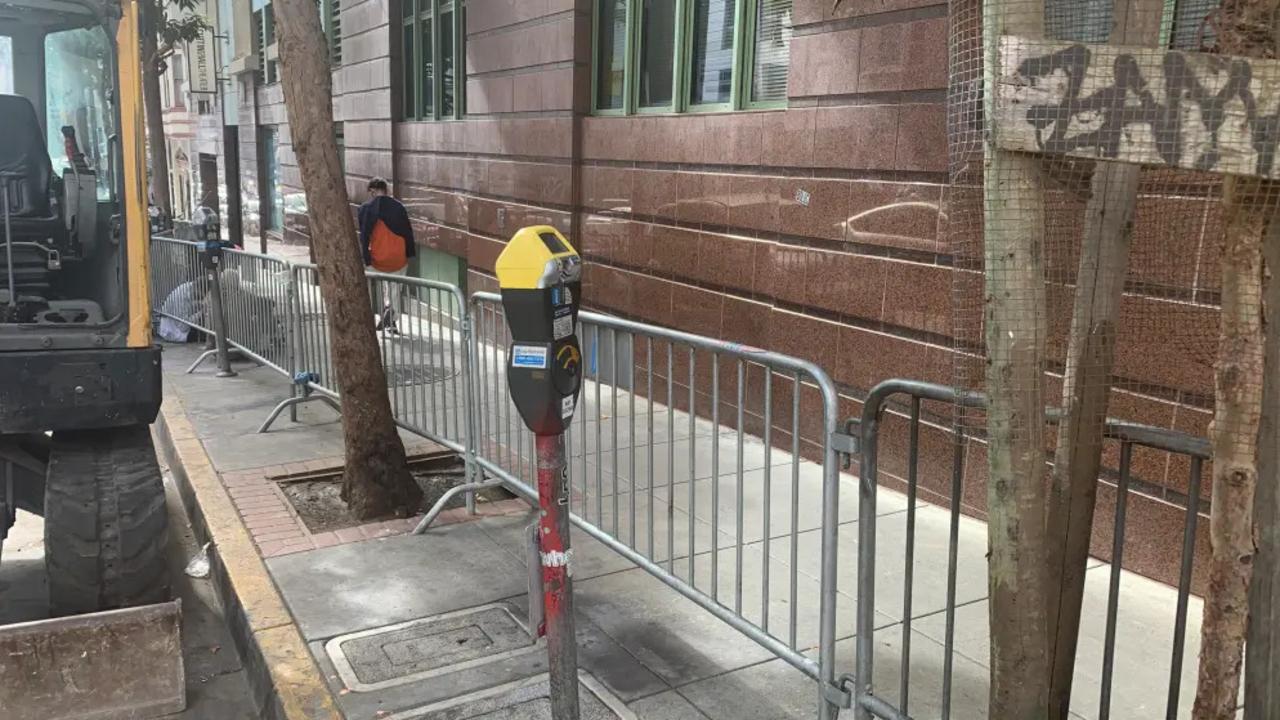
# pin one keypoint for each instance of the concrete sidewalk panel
(774, 690)
(930, 563)
(244, 452)
(522, 700)
(808, 485)
(777, 611)
(669, 634)
(602, 656)
(680, 468)
(1144, 643)
(770, 690)
(358, 586)
(669, 705)
(671, 526)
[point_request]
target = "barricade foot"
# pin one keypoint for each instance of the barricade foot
(200, 360)
(233, 355)
(292, 403)
(453, 492)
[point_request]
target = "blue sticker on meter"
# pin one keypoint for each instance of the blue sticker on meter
(529, 356)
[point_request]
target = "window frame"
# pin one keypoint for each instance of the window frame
(331, 11)
(264, 41)
(458, 29)
(269, 138)
(746, 30)
(749, 60)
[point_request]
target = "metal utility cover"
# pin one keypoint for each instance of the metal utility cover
(420, 649)
(528, 699)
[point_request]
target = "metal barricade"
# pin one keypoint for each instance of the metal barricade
(867, 701)
(178, 285)
(257, 297)
(424, 337)
(674, 466)
(687, 458)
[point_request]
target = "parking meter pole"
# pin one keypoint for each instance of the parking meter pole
(540, 275)
(213, 267)
(557, 576)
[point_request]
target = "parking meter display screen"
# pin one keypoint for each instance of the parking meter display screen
(553, 243)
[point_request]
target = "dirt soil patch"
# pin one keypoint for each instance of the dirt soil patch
(319, 503)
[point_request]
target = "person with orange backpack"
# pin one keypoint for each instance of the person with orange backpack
(386, 241)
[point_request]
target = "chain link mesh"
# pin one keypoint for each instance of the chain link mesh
(1165, 329)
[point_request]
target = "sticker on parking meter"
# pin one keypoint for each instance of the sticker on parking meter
(529, 356)
(566, 408)
(562, 327)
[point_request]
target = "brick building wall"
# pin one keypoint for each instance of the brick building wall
(811, 229)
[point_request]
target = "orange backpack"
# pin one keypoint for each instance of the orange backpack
(386, 249)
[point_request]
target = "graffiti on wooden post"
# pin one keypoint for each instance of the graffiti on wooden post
(1156, 107)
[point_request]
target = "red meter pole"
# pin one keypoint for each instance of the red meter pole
(557, 575)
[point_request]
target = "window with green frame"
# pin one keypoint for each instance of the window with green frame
(264, 37)
(331, 18)
(690, 55)
(433, 34)
(271, 210)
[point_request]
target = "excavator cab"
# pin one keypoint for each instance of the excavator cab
(79, 374)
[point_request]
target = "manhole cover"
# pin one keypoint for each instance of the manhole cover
(416, 374)
(419, 649)
(528, 699)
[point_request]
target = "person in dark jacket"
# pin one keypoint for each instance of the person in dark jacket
(387, 243)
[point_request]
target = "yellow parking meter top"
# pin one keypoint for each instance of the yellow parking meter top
(536, 257)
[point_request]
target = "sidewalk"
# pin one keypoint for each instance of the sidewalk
(359, 597)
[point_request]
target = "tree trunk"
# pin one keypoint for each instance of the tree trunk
(1234, 437)
(152, 105)
(1077, 459)
(1246, 28)
(1015, 338)
(1262, 659)
(376, 479)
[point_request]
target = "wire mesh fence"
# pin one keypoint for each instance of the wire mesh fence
(1112, 177)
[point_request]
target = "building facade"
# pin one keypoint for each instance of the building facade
(769, 172)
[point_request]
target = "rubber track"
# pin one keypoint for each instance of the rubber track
(105, 521)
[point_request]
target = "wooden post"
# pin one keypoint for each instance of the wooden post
(1104, 258)
(1245, 28)
(1262, 651)
(1013, 200)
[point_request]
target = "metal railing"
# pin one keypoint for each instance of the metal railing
(867, 702)
(686, 457)
(652, 404)
(178, 286)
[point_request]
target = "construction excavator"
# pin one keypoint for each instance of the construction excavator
(80, 378)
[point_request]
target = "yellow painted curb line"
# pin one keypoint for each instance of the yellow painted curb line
(286, 682)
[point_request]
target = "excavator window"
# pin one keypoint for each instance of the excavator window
(76, 61)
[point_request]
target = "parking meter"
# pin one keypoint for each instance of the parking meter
(208, 232)
(206, 226)
(540, 275)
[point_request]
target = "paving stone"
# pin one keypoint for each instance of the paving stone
(524, 700)
(357, 586)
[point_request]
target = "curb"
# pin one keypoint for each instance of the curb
(285, 680)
